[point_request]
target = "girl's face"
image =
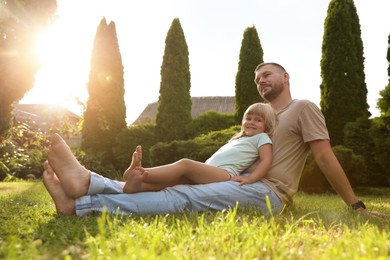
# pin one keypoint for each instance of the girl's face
(253, 124)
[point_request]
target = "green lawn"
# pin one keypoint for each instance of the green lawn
(316, 227)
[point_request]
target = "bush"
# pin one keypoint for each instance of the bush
(24, 152)
(127, 141)
(209, 121)
(4, 171)
(314, 181)
(381, 137)
(199, 149)
(95, 162)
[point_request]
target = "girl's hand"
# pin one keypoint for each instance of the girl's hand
(242, 179)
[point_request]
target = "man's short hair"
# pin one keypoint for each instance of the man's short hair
(270, 63)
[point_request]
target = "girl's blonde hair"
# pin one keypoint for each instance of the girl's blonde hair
(266, 112)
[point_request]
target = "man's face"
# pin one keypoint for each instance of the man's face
(270, 81)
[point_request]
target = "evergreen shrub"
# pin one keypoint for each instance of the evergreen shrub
(199, 148)
(127, 141)
(208, 122)
(314, 181)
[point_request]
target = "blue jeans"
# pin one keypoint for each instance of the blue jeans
(108, 194)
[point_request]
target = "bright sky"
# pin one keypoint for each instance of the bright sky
(290, 33)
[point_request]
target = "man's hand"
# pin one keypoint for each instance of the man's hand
(375, 214)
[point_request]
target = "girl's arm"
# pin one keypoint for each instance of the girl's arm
(265, 163)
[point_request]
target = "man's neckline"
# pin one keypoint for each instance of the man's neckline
(286, 106)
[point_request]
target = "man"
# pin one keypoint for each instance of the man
(301, 127)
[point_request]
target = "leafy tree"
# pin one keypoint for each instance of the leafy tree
(384, 101)
(174, 104)
(381, 127)
(343, 87)
(251, 54)
(105, 114)
(20, 24)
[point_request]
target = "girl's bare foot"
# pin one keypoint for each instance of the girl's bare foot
(134, 180)
(64, 204)
(136, 161)
(73, 176)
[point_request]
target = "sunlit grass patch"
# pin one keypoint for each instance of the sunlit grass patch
(315, 227)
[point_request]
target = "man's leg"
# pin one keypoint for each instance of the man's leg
(73, 176)
(64, 204)
(76, 180)
(184, 198)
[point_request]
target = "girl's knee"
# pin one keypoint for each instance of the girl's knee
(185, 162)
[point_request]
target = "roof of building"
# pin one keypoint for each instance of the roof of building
(35, 110)
(44, 115)
(220, 104)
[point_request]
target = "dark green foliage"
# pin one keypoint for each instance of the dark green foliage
(381, 137)
(251, 55)
(384, 105)
(388, 56)
(380, 132)
(314, 181)
(97, 162)
(199, 149)
(20, 24)
(360, 138)
(174, 105)
(128, 140)
(209, 121)
(384, 100)
(105, 115)
(343, 87)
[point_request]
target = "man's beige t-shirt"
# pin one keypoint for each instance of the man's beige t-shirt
(299, 123)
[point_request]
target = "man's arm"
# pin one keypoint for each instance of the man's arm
(331, 168)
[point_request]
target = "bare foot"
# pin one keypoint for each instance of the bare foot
(136, 161)
(73, 176)
(64, 204)
(134, 180)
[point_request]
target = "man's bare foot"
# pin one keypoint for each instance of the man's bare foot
(136, 161)
(134, 180)
(64, 204)
(73, 176)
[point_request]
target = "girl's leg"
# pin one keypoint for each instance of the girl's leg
(184, 171)
(135, 182)
(136, 161)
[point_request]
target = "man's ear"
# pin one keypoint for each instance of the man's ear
(287, 76)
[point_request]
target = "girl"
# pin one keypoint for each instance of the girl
(252, 143)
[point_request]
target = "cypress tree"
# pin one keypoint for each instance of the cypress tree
(251, 55)
(20, 24)
(174, 104)
(343, 87)
(105, 115)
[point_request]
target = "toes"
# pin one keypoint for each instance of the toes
(55, 138)
(46, 164)
(48, 167)
(139, 152)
